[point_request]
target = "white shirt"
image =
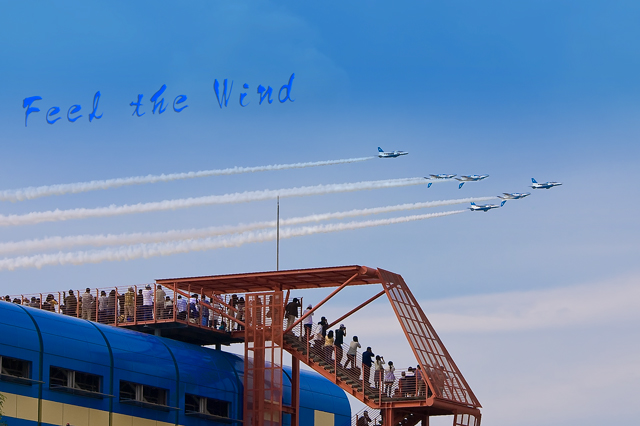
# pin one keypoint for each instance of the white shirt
(147, 297)
(182, 305)
(102, 303)
(353, 348)
(309, 319)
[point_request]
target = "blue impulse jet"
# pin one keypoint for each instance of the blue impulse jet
(513, 196)
(485, 207)
(470, 178)
(392, 154)
(545, 185)
(437, 177)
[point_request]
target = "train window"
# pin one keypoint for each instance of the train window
(88, 382)
(154, 395)
(195, 405)
(135, 392)
(15, 367)
(128, 391)
(70, 379)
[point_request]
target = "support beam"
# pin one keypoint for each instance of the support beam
(230, 318)
(323, 301)
(226, 305)
(354, 310)
(295, 390)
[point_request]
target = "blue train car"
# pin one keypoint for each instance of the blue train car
(59, 370)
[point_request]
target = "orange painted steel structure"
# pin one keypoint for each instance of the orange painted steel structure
(436, 388)
(263, 360)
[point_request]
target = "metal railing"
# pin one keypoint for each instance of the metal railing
(142, 304)
(372, 417)
(378, 385)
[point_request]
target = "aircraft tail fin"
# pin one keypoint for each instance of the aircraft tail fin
(460, 186)
(502, 203)
(380, 149)
(429, 184)
(533, 180)
(473, 204)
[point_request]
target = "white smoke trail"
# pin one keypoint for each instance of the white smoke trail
(176, 247)
(185, 234)
(183, 203)
(32, 192)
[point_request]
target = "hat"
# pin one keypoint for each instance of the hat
(309, 307)
(342, 326)
(130, 288)
(70, 291)
(148, 286)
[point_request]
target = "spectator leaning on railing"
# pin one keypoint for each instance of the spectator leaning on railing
(102, 306)
(160, 295)
(181, 306)
(71, 304)
(129, 304)
(87, 300)
(147, 303)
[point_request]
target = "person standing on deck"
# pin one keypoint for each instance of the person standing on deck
(87, 300)
(339, 341)
(308, 322)
(367, 361)
(160, 296)
(292, 311)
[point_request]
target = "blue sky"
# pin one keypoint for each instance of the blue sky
(513, 89)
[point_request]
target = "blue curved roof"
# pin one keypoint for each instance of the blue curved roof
(81, 345)
(18, 331)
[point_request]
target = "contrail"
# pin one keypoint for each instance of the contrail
(186, 234)
(32, 192)
(183, 203)
(176, 247)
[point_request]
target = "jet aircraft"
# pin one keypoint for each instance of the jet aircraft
(513, 195)
(391, 154)
(470, 178)
(440, 176)
(545, 185)
(485, 207)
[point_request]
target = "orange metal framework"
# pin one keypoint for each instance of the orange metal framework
(439, 390)
(263, 360)
(443, 376)
(216, 313)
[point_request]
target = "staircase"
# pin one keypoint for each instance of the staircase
(374, 415)
(375, 418)
(348, 379)
(351, 380)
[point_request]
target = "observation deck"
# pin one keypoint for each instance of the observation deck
(250, 309)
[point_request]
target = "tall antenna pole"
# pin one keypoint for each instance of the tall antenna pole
(278, 237)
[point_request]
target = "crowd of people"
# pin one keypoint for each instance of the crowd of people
(145, 305)
(228, 316)
(330, 346)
